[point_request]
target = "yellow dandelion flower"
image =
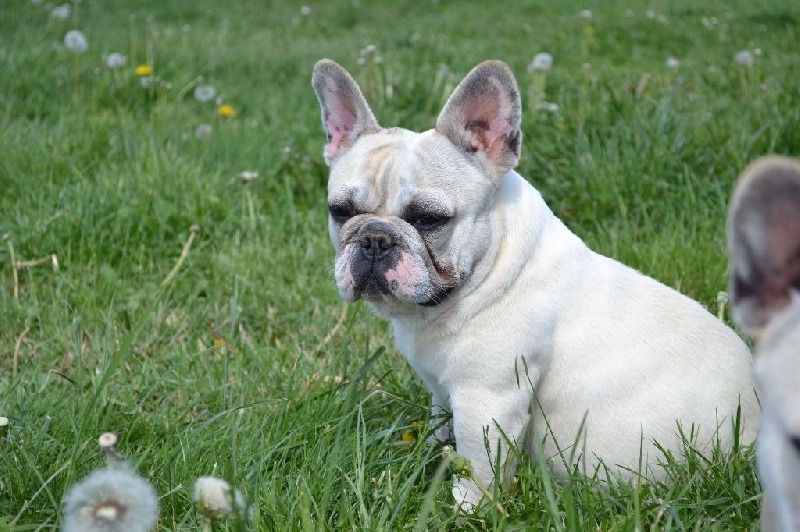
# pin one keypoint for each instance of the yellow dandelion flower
(226, 111)
(144, 70)
(408, 437)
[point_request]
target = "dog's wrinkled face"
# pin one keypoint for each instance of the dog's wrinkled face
(410, 212)
(401, 223)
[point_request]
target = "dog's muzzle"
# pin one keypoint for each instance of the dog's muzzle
(378, 252)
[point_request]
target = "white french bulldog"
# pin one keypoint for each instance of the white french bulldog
(764, 246)
(518, 329)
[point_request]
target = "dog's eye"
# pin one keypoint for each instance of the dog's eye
(427, 222)
(340, 213)
(795, 444)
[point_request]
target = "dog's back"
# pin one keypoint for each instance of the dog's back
(764, 245)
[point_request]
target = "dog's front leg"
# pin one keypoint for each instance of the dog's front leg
(481, 418)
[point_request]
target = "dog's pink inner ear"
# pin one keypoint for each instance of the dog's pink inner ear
(488, 118)
(339, 124)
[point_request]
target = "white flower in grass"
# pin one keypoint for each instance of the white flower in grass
(75, 41)
(62, 12)
(650, 13)
(305, 11)
(744, 58)
(550, 107)
(202, 131)
(215, 499)
(115, 60)
(111, 500)
(541, 61)
(672, 62)
(585, 13)
(205, 93)
(248, 175)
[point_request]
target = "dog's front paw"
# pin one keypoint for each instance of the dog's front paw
(467, 495)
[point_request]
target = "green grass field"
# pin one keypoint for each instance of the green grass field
(242, 363)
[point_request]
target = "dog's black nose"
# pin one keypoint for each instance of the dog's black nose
(376, 243)
(376, 239)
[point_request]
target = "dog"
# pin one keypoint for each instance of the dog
(521, 333)
(764, 248)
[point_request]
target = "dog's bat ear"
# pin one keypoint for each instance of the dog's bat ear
(764, 241)
(483, 115)
(345, 112)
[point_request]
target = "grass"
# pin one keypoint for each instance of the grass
(236, 366)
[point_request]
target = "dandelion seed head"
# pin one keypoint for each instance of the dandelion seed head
(204, 93)
(116, 60)
(673, 63)
(146, 81)
(202, 131)
(61, 12)
(107, 440)
(213, 497)
(650, 13)
(585, 13)
(550, 107)
(541, 61)
(111, 500)
(744, 58)
(75, 41)
(247, 175)
(305, 11)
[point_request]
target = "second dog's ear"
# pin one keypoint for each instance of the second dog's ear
(345, 112)
(764, 241)
(483, 115)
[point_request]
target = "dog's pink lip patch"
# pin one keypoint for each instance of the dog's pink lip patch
(406, 276)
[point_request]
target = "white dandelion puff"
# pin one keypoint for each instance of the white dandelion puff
(111, 500)
(541, 61)
(673, 63)
(61, 12)
(744, 58)
(202, 131)
(247, 175)
(585, 13)
(116, 60)
(305, 11)
(204, 93)
(75, 41)
(215, 499)
(550, 107)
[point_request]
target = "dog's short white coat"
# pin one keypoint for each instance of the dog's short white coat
(545, 343)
